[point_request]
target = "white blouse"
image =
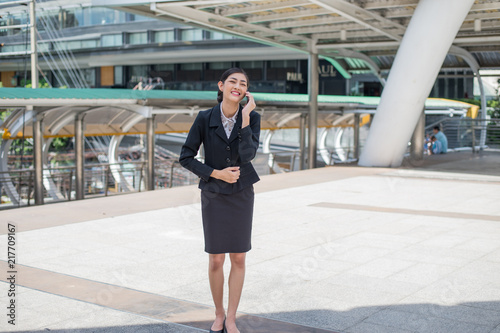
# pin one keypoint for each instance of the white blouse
(228, 123)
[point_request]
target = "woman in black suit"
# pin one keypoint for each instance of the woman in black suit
(230, 137)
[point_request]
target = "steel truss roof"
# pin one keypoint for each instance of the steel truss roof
(369, 30)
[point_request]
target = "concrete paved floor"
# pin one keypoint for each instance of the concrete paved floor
(337, 249)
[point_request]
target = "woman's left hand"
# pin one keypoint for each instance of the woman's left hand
(247, 109)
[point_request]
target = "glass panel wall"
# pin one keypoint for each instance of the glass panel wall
(111, 40)
(191, 35)
(219, 35)
(138, 38)
(167, 36)
(118, 75)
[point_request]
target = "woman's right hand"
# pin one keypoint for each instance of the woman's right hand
(229, 175)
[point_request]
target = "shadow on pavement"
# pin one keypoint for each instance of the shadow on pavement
(422, 317)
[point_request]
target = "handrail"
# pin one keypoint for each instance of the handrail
(98, 179)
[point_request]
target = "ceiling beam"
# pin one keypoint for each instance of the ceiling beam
(462, 41)
(494, 5)
(349, 34)
(200, 5)
(262, 8)
(362, 16)
(384, 4)
(483, 16)
(326, 28)
(288, 15)
(486, 25)
(229, 25)
(309, 22)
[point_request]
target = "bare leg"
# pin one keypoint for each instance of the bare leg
(216, 278)
(236, 278)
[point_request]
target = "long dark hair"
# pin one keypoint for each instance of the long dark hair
(225, 75)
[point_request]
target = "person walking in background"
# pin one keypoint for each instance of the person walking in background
(230, 137)
(441, 138)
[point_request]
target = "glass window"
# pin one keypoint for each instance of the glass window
(164, 67)
(191, 35)
(76, 44)
(43, 47)
(89, 76)
(191, 66)
(67, 18)
(111, 40)
(164, 36)
(90, 43)
(251, 64)
(283, 63)
(139, 71)
(219, 35)
(138, 38)
(219, 65)
(118, 75)
(86, 17)
(15, 48)
(101, 16)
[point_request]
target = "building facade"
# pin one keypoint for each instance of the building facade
(84, 46)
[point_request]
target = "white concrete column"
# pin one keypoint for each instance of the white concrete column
(423, 49)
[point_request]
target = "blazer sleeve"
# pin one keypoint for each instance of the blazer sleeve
(190, 150)
(249, 139)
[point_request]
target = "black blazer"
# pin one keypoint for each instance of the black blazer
(221, 152)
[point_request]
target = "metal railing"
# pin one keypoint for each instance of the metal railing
(17, 186)
(467, 133)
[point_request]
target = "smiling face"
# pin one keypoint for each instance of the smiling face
(234, 88)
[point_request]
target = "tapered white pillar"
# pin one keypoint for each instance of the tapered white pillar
(423, 49)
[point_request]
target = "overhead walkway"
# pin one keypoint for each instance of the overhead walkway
(335, 249)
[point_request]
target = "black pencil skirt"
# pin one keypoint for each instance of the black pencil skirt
(227, 221)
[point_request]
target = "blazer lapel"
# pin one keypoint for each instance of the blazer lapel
(215, 121)
(237, 127)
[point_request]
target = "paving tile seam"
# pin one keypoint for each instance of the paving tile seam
(381, 209)
(173, 310)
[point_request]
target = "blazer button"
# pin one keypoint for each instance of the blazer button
(228, 148)
(228, 160)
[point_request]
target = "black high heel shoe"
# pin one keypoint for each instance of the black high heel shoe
(223, 330)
